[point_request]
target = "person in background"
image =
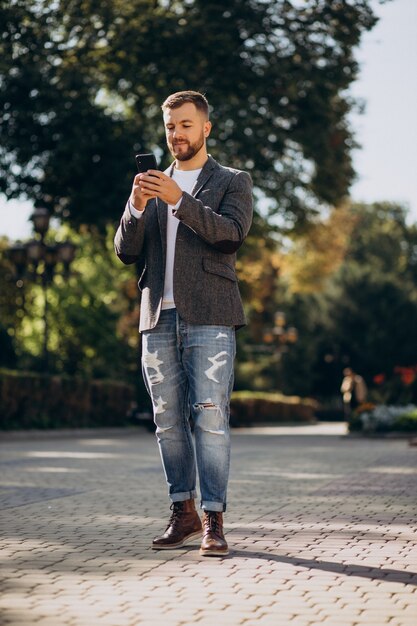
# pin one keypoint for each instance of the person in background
(353, 390)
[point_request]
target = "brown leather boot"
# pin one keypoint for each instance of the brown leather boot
(183, 526)
(213, 543)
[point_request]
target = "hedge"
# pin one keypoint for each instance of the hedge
(29, 400)
(249, 408)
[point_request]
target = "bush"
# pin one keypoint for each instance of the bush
(384, 419)
(407, 422)
(29, 400)
(248, 408)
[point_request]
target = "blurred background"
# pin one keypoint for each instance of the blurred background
(315, 99)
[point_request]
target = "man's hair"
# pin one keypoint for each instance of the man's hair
(175, 100)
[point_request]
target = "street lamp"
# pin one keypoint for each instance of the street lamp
(278, 338)
(40, 218)
(38, 261)
(280, 335)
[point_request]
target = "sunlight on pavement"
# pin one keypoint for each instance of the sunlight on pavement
(113, 443)
(54, 470)
(393, 470)
(73, 455)
(328, 429)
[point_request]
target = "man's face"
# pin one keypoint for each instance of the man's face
(186, 130)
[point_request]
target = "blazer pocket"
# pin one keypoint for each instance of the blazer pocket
(219, 269)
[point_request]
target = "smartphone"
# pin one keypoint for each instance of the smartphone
(146, 162)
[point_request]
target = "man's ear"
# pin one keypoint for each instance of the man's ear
(207, 128)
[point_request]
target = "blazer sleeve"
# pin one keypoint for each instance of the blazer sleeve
(227, 228)
(129, 238)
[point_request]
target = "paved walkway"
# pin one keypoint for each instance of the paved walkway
(321, 529)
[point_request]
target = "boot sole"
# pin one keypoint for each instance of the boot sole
(214, 553)
(173, 546)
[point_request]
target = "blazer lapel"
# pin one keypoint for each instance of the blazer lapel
(162, 207)
(204, 175)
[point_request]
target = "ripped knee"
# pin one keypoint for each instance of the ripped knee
(200, 406)
(209, 417)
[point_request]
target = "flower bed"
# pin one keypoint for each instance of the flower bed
(382, 418)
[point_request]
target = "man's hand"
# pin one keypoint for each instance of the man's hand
(159, 185)
(138, 197)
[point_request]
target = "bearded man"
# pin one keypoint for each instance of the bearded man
(183, 228)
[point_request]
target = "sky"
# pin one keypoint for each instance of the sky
(386, 163)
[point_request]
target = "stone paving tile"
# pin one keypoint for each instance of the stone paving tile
(321, 529)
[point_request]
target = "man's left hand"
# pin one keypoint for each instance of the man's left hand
(160, 185)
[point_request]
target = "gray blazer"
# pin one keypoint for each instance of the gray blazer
(214, 221)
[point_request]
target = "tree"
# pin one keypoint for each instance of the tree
(374, 302)
(318, 251)
(374, 320)
(92, 315)
(364, 312)
(382, 238)
(81, 83)
(11, 309)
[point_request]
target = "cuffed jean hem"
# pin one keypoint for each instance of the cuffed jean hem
(181, 497)
(218, 507)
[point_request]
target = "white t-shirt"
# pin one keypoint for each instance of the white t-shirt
(185, 180)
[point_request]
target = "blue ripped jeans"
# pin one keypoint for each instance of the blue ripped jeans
(188, 370)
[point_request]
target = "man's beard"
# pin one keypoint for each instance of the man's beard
(190, 152)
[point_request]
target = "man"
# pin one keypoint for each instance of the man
(353, 390)
(183, 227)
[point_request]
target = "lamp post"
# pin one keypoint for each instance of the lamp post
(278, 338)
(38, 262)
(281, 335)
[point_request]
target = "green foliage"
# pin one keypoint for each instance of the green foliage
(81, 85)
(92, 314)
(374, 320)
(86, 311)
(58, 147)
(383, 239)
(11, 301)
(373, 305)
(365, 313)
(407, 422)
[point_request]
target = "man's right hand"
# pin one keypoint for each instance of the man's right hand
(139, 198)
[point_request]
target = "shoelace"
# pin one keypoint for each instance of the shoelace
(176, 508)
(212, 522)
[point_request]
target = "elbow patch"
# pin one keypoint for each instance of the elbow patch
(227, 246)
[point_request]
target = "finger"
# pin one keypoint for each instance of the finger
(151, 178)
(153, 186)
(156, 173)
